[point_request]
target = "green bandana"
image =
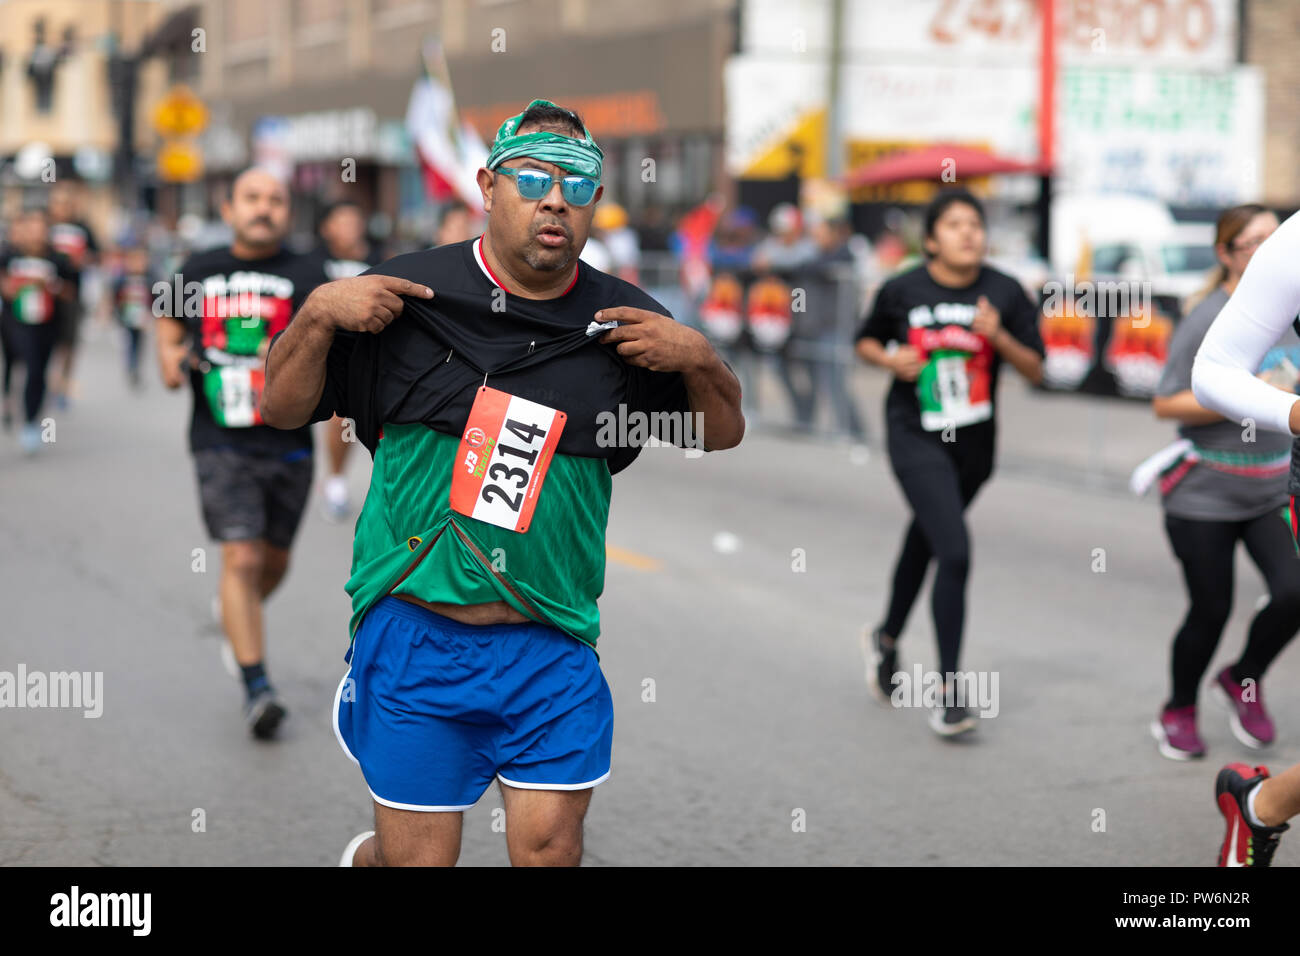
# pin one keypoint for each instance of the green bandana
(581, 156)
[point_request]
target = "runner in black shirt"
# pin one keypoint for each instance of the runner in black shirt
(955, 320)
(346, 253)
(131, 295)
(253, 479)
(72, 236)
(36, 285)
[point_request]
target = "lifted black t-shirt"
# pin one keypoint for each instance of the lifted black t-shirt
(957, 388)
(245, 302)
(429, 363)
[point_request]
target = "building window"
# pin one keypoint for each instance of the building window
(318, 21)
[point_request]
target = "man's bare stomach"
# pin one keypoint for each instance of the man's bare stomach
(494, 612)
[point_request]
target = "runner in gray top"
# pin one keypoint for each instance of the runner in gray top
(1205, 492)
(1226, 482)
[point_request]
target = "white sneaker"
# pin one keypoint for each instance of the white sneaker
(351, 849)
(336, 505)
(228, 660)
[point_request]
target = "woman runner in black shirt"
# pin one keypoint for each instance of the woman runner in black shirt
(955, 320)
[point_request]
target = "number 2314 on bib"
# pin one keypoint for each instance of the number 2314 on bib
(502, 460)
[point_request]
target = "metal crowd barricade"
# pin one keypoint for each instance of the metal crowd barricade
(806, 385)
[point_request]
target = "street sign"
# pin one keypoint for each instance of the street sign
(180, 113)
(179, 162)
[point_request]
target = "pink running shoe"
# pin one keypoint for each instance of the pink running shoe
(1175, 733)
(1249, 721)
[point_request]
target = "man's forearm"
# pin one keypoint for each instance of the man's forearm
(295, 371)
(714, 394)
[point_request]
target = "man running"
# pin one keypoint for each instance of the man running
(253, 479)
(72, 236)
(37, 285)
(479, 375)
(1263, 306)
(346, 252)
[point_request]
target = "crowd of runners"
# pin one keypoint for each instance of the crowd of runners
(475, 372)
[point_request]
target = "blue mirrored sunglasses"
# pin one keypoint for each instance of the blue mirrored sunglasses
(534, 184)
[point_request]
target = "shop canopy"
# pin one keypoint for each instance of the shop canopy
(931, 163)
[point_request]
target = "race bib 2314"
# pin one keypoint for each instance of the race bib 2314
(503, 457)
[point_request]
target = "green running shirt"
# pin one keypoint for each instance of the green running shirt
(409, 541)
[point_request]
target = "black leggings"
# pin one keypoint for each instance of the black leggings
(940, 480)
(31, 345)
(1206, 550)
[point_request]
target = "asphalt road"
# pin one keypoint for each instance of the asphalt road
(761, 745)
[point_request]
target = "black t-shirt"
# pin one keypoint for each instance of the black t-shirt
(429, 363)
(132, 298)
(75, 240)
(30, 286)
(244, 303)
(957, 389)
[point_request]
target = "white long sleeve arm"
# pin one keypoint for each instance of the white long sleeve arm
(1260, 310)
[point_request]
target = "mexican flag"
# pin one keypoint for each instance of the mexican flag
(450, 151)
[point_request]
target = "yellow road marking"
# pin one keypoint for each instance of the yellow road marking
(633, 560)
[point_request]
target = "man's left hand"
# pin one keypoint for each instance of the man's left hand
(654, 341)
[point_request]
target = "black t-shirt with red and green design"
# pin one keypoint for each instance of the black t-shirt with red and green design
(76, 240)
(30, 285)
(957, 388)
(244, 303)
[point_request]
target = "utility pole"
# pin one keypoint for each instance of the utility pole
(834, 96)
(123, 73)
(1046, 123)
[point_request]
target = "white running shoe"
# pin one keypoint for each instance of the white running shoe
(336, 505)
(351, 850)
(228, 660)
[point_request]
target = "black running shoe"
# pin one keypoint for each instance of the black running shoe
(952, 721)
(1244, 844)
(263, 713)
(882, 663)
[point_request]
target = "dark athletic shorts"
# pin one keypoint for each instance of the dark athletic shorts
(67, 319)
(246, 497)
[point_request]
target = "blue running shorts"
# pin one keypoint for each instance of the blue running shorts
(432, 709)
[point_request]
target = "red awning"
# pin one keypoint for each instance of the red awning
(931, 162)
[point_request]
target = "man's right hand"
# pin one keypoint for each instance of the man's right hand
(906, 363)
(363, 303)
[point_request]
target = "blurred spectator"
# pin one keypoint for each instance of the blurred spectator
(822, 331)
(782, 256)
(654, 231)
(733, 245)
(787, 248)
(890, 250)
(611, 228)
(595, 254)
(344, 245)
(455, 224)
